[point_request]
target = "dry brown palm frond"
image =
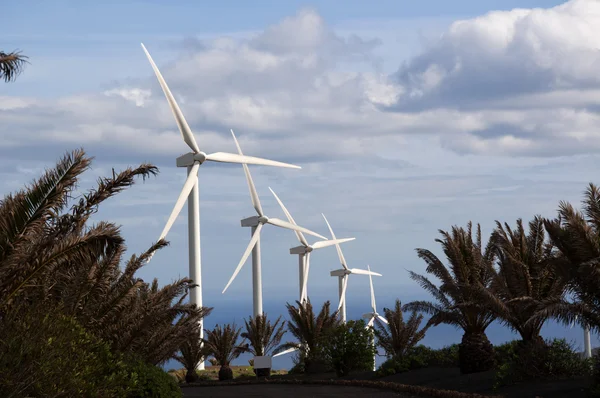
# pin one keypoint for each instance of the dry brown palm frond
(308, 329)
(11, 65)
(222, 343)
(525, 277)
(263, 336)
(577, 235)
(469, 265)
(24, 215)
(398, 336)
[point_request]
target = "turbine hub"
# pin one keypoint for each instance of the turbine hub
(200, 157)
(263, 219)
(309, 249)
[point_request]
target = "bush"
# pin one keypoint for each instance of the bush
(540, 359)
(350, 347)
(152, 382)
(420, 357)
(52, 355)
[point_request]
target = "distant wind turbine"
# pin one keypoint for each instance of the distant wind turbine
(305, 250)
(257, 223)
(344, 273)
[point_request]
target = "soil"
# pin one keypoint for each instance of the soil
(288, 391)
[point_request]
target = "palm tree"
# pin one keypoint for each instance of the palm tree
(577, 235)
(310, 330)
(50, 255)
(525, 277)
(11, 65)
(263, 337)
(398, 337)
(191, 353)
(221, 343)
(469, 265)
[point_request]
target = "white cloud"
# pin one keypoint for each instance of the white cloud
(529, 76)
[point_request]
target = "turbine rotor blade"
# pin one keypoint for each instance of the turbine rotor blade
(326, 243)
(285, 352)
(184, 128)
(363, 272)
(190, 181)
(344, 287)
(337, 246)
(371, 322)
(305, 281)
(299, 235)
(225, 157)
(253, 194)
(382, 319)
(372, 290)
(255, 238)
(293, 227)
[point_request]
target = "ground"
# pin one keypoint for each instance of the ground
(287, 391)
(439, 378)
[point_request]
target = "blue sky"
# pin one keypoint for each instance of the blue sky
(405, 117)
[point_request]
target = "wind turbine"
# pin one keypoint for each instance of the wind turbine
(587, 343)
(344, 273)
(192, 162)
(373, 315)
(256, 223)
(304, 251)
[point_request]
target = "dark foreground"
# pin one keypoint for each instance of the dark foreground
(287, 391)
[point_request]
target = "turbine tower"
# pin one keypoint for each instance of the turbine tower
(587, 343)
(372, 316)
(256, 223)
(304, 251)
(190, 192)
(344, 273)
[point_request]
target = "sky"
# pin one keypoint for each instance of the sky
(406, 118)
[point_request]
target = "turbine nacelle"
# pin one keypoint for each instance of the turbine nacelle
(190, 158)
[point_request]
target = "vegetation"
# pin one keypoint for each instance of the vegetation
(310, 332)
(11, 65)
(468, 269)
(190, 354)
(64, 296)
(399, 337)
(221, 343)
(350, 347)
(263, 337)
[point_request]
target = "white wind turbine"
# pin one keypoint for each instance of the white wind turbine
(587, 343)
(257, 222)
(373, 315)
(190, 191)
(344, 273)
(304, 251)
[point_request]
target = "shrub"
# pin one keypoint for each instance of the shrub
(420, 357)
(350, 347)
(540, 360)
(52, 355)
(152, 382)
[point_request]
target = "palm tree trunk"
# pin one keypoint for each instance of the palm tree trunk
(475, 353)
(225, 373)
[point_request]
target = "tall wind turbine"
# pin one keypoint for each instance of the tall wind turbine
(344, 273)
(192, 162)
(373, 315)
(304, 251)
(256, 223)
(587, 341)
